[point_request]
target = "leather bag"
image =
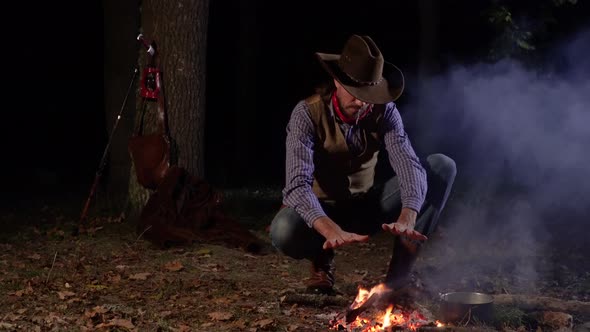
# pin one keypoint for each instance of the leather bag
(151, 153)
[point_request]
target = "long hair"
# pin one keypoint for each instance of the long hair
(325, 90)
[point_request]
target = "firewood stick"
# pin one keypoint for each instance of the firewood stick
(352, 314)
(389, 295)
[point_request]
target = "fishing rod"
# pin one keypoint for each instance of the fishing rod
(150, 88)
(102, 163)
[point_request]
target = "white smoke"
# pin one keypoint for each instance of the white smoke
(521, 139)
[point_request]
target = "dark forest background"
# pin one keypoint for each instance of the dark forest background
(260, 63)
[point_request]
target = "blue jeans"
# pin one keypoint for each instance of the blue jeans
(365, 214)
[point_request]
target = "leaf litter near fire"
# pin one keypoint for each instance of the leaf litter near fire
(111, 280)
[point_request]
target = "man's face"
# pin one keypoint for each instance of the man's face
(349, 105)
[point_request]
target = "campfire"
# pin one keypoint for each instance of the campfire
(372, 311)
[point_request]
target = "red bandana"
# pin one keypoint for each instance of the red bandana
(345, 118)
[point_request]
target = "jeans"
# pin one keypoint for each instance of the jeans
(364, 215)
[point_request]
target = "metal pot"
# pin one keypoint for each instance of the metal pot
(465, 307)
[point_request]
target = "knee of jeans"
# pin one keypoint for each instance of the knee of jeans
(282, 230)
(443, 166)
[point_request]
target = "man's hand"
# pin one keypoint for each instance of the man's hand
(405, 225)
(335, 236)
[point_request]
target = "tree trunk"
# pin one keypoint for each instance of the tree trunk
(121, 23)
(179, 29)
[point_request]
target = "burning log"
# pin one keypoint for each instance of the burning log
(352, 314)
(544, 303)
(390, 314)
(380, 296)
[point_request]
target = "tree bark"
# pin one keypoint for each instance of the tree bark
(179, 29)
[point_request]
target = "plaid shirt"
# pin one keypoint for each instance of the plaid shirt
(298, 193)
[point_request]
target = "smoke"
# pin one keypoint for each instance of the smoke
(521, 140)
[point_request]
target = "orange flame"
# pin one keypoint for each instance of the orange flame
(385, 321)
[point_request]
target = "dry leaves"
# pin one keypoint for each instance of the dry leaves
(264, 323)
(173, 266)
(181, 328)
(98, 310)
(221, 316)
(65, 294)
(118, 322)
(140, 276)
(240, 324)
(204, 252)
(7, 326)
(114, 278)
(27, 291)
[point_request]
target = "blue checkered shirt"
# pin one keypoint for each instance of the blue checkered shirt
(298, 193)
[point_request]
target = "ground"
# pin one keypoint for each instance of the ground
(111, 279)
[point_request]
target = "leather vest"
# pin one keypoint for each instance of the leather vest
(338, 173)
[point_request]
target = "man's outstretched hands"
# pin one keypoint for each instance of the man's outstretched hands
(405, 226)
(335, 236)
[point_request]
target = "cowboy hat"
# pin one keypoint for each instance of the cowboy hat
(363, 72)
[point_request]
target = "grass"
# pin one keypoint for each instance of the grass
(508, 317)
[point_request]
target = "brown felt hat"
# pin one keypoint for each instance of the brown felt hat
(363, 72)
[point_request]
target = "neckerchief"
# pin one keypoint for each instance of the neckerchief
(343, 117)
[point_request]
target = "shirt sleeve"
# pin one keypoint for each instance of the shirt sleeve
(403, 159)
(298, 193)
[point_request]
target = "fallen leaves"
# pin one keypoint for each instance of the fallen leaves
(140, 276)
(117, 322)
(7, 326)
(96, 287)
(65, 294)
(220, 316)
(102, 317)
(212, 267)
(292, 327)
(204, 252)
(264, 323)
(98, 310)
(240, 324)
(173, 266)
(104, 288)
(181, 328)
(114, 278)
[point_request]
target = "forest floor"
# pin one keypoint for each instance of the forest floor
(113, 280)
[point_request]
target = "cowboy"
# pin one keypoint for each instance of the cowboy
(331, 198)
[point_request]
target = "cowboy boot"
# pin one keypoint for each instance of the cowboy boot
(322, 279)
(398, 277)
(406, 250)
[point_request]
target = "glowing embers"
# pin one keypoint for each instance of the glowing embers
(367, 314)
